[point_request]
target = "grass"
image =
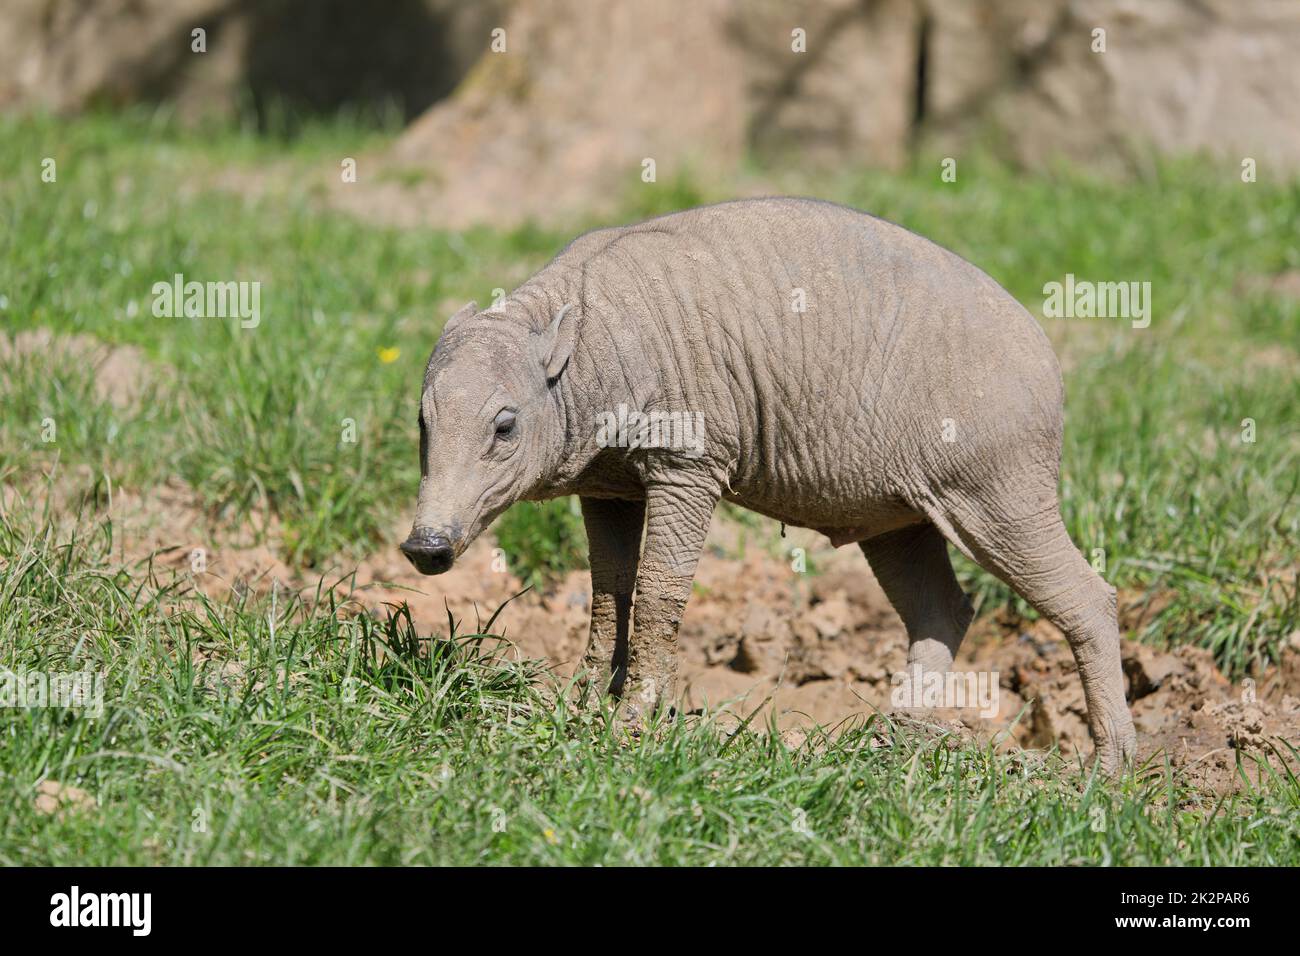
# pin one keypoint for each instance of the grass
(279, 730)
(302, 732)
(543, 540)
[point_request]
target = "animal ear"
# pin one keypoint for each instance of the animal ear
(558, 341)
(465, 312)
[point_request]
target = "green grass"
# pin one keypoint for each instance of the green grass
(283, 731)
(543, 540)
(1155, 474)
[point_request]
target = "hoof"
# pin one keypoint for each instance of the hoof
(1117, 753)
(643, 707)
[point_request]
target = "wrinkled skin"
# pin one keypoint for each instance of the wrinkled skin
(851, 377)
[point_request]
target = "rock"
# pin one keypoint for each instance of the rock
(586, 94)
(312, 54)
(560, 122)
(563, 119)
(1214, 76)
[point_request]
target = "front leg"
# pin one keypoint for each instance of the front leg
(614, 545)
(677, 521)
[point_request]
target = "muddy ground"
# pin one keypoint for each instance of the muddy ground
(760, 639)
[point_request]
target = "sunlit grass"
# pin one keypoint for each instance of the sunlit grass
(304, 732)
(284, 730)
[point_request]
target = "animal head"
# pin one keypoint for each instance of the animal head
(490, 428)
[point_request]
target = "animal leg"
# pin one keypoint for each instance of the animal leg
(912, 567)
(1016, 533)
(614, 546)
(677, 521)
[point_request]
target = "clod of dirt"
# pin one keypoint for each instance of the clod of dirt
(1243, 721)
(53, 797)
(762, 623)
(808, 664)
(749, 657)
(1057, 716)
(831, 618)
(1147, 669)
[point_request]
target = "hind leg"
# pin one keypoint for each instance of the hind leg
(913, 569)
(1014, 530)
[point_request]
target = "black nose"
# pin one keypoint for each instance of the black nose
(429, 551)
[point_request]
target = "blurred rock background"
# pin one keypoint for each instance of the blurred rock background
(585, 91)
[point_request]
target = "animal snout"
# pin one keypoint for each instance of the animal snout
(430, 551)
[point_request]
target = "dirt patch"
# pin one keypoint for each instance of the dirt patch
(1283, 285)
(54, 798)
(760, 640)
(550, 626)
(169, 530)
(120, 373)
(166, 532)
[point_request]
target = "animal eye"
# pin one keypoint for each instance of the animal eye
(505, 423)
